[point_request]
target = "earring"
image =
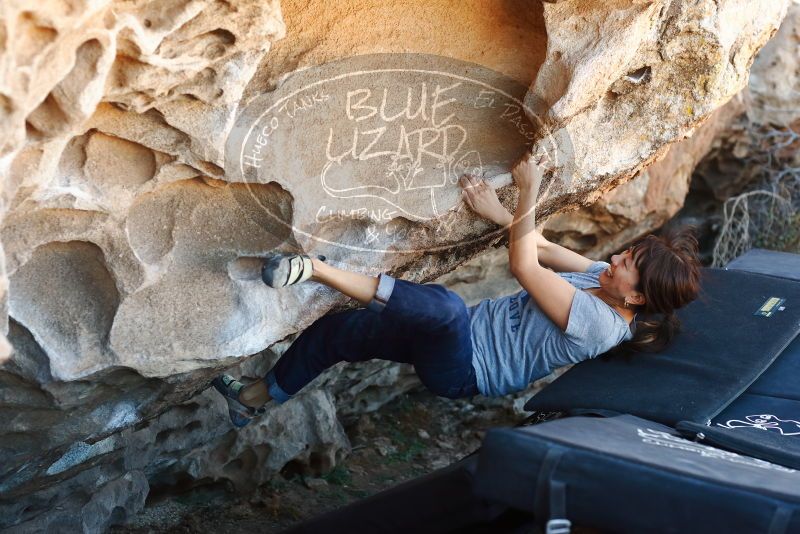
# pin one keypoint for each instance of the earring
(626, 303)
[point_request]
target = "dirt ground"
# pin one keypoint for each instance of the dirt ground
(413, 435)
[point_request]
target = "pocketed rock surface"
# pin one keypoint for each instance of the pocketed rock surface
(409, 437)
(121, 209)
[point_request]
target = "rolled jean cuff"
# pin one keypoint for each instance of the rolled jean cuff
(385, 288)
(275, 391)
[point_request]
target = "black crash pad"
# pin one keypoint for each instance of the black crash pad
(626, 474)
(763, 422)
(773, 263)
(722, 349)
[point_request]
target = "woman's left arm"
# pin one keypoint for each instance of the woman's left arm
(552, 293)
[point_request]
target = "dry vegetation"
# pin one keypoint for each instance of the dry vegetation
(767, 213)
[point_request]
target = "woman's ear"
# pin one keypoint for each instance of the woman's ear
(637, 299)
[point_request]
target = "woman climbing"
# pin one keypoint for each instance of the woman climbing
(498, 346)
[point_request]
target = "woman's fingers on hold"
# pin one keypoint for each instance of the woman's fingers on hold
(466, 198)
(470, 183)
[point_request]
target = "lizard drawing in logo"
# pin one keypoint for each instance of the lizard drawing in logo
(786, 427)
(423, 163)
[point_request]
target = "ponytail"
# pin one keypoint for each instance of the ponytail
(652, 335)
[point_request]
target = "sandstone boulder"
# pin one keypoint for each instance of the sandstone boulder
(121, 213)
(774, 88)
(645, 203)
(657, 193)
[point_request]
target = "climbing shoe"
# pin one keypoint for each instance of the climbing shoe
(281, 269)
(240, 414)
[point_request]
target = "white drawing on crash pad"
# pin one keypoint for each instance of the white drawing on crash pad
(786, 427)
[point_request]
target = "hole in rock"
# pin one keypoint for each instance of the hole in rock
(49, 118)
(163, 435)
(194, 425)
(233, 468)
(294, 469)
(167, 486)
(55, 114)
(28, 355)
(641, 75)
(118, 515)
(248, 460)
(86, 58)
(32, 133)
(6, 105)
(319, 463)
(224, 36)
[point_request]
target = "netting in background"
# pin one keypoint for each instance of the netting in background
(767, 215)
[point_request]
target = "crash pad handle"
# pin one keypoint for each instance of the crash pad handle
(780, 521)
(551, 495)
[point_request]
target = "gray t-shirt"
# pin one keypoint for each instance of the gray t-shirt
(515, 343)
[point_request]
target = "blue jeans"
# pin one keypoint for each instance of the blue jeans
(426, 325)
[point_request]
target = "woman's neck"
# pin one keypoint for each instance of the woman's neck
(618, 305)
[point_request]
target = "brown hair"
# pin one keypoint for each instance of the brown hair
(669, 278)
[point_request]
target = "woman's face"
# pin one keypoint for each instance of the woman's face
(622, 277)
